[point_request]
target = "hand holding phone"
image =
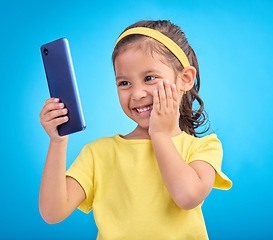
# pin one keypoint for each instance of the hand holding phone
(53, 114)
(62, 85)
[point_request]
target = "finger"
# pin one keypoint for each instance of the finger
(169, 95)
(55, 122)
(59, 121)
(162, 96)
(55, 114)
(156, 104)
(175, 97)
(51, 111)
(52, 100)
(50, 106)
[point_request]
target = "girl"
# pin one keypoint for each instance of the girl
(149, 184)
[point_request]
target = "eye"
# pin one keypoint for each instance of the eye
(149, 78)
(123, 83)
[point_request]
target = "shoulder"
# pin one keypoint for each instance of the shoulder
(196, 142)
(211, 144)
(195, 148)
(191, 138)
(207, 148)
(102, 143)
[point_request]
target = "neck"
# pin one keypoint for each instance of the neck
(143, 133)
(138, 133)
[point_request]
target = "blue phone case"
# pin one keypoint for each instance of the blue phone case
(62, 83)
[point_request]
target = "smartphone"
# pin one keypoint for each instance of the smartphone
(62, 83)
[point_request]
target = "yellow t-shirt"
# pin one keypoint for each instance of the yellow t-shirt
(124, 187)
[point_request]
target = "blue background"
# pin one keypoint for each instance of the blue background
(233, 42)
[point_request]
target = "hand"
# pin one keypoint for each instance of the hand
(165, 113)
(52, 115)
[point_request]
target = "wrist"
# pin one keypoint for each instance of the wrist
(159, 135)
(59, 140)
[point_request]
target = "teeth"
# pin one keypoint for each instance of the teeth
(144, 109)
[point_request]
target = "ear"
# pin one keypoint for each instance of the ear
(187, 79)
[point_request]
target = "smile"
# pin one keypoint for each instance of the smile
(148, 108)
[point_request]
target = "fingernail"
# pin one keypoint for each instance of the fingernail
(167, 81)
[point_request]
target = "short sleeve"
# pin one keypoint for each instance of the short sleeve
(82, 171)
(209, 149)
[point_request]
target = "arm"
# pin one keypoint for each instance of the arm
(59, 195)
(190, 184)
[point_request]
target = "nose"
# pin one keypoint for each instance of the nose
(139, 92)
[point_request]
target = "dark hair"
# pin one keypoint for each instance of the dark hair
(190, 119)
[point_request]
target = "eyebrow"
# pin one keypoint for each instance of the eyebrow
(120, 78)
(149, 71)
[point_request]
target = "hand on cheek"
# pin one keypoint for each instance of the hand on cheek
(165, 113)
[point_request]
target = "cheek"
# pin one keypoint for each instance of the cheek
(123, 99)
(152, 88)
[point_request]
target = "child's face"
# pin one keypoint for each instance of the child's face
(137, 76)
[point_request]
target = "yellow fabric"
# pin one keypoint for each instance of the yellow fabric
(167, 42)
(124, 187)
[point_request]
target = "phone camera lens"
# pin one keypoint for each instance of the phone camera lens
(46, 51)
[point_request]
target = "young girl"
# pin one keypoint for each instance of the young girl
(151, 183)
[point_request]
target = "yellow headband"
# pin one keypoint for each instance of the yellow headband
(167, 42)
